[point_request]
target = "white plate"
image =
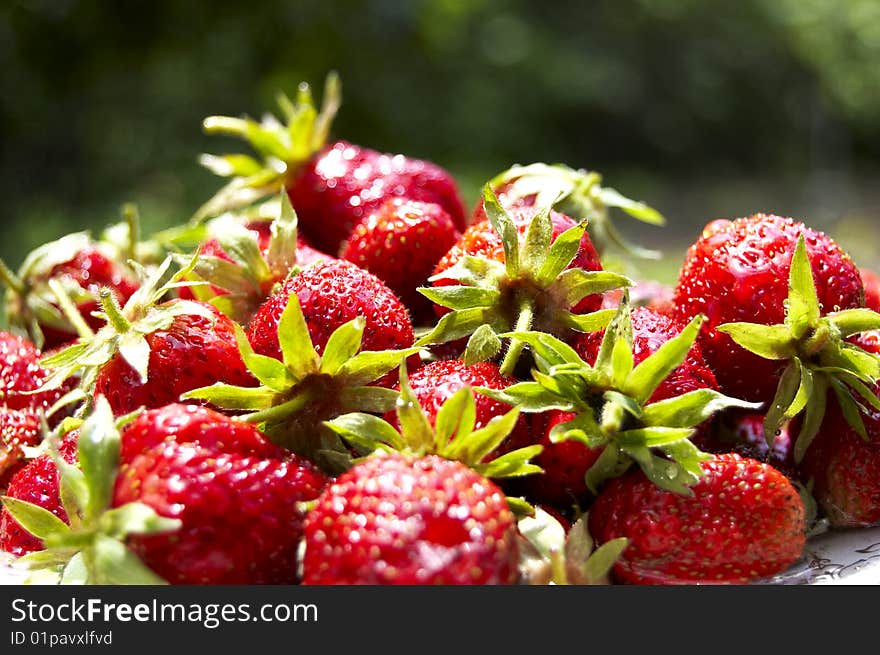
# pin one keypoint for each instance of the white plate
(843, 557)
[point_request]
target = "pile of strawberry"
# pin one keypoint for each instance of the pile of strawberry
(335, 374)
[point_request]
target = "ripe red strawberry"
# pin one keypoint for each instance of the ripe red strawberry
(221, 479)
(743, 433)
(193, 352)
(566, 463)
(738, 271)
(148, 354)
(18, 427)
(436, 382)
(744, 521)
(400, 243)
(650, 330)
(20, 373)
(330, 294)
(37, 483)
(333, 187)
(82, 268)
(344, 183)
(842, 462)
(872, 289)
(400, 519)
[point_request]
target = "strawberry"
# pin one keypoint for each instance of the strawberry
(148, 354)
(436, 382)
(529, 269)
(37, 483)
(221, 479)
(641, 401)
(432, 514)
(21, 374)
(169, 498)
(811, 350)
(76, 266)
(344, 183)
(405, 520)
(333, 187)
(644, 293)
(743, 521)
(871, 281)
(18, 428)
(842, 463)
(312, 382)
(577, 193)
(400, 243)
(331, 293)
(739, 271)
(743, 433)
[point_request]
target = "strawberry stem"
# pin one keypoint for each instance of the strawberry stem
(523, 324)
(818, 339)
(281, 411)
(114, 313)
(69, 309)
(10, 279)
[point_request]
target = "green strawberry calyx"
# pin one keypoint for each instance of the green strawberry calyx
(126, 328)
(612, 406)
(90, 549)
(580, 194)
(253, 274)
(550, 555)
(297, 394)
(818, 355)
(282, 147)
(452, 435)
(532, 290)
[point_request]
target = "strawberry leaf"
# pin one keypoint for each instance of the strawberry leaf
(297, 349)
(38, 521)
(365, 431)
(482, 345)
(342, 345)
(803, 302)
(506, 229)
(650, 373)
(767, 341)
(854, 321)
(691, 409)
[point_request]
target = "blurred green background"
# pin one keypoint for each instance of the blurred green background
(702, 109)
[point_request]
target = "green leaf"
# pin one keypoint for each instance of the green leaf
(562, 252)
(653, 436)
(281, 253)
(767, 341)
(512, 465)
(366, 431)
(790, 383)
(414, 425)
(504, 226)
(638, 210)
(483, 345)
(462, 297)
(370, 365)
(603, 559)
(691, 409)
(570, 387)
(622, 361)
(477, 445)
(114, 564)
(813, 416)
(342, 345)
(547, 349)
(666, 474)
(803, 302)
(227, 396)
(225, 274)
(296, 344)
(230, 165)
(529, 396)
(583, 428)
(850, 407)
(367, 399)
(98, 451)
(39, 522)
(458, 323)
(471, 271)
(537, 240)
(457, 416)
(648, 375)
(135, 519)
(268, 370)
(611, 463)
(575, 284)
(627, 404)
(75, 572)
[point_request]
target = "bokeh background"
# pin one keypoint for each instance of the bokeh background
(702, 109)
